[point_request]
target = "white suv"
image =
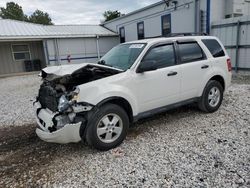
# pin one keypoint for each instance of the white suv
(97, 103)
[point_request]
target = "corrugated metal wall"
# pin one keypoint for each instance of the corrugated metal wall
(235, 35)
(9, 65)
(80, 49)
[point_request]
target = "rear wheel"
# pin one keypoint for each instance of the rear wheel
(108, 127)
(212, 97)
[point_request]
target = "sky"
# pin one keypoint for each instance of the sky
(78, 11)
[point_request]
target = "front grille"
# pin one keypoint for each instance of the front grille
(48, 97)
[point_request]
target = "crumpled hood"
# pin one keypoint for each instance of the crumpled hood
(63, 70)
(54, 72)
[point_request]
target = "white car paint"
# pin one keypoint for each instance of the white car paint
(143, 91)
(146, 91)
(69, 133)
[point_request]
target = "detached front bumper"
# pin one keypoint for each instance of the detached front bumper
(44, 118)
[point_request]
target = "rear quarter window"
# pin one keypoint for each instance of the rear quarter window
(214, 47)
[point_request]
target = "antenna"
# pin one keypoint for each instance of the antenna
(167, 3)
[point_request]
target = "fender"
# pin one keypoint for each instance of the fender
(204, 83)
(99, 93)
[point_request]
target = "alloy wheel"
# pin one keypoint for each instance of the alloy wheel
(109, 128)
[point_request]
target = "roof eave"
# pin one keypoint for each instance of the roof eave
(54, 36)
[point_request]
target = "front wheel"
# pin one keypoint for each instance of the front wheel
(107, 127)
(212, 97)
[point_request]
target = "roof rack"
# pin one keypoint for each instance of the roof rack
(186, 34)
(179, 35)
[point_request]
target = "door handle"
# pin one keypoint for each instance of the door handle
(204, 66)
(172, 73)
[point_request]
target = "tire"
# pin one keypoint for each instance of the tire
(107, 127)
(210, 102)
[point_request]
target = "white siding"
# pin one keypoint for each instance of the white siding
(218, 10)
(182, 20)
(152, 26)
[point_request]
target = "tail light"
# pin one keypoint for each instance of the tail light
(229, 65)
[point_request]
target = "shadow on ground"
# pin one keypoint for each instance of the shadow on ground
(23, 153)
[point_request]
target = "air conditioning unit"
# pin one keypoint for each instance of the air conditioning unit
(235, 7)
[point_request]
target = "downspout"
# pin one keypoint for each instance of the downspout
(197, 16)
(97, 46)
(57, 53)
(237, 47)
(55, 50)
(208, 16)
(46, 52)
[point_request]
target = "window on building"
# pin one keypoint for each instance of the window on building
(122, 34)
(166, 24)
(21, 52)
(163, 55)
(140, 30)
(190, 52)
(214, 47)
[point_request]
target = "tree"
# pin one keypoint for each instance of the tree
(15, 12)
(12, 11)
(40, 17)
(110, 15)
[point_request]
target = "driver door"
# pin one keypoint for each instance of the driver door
(160, 87)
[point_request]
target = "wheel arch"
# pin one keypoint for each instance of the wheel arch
(219, 79)
(120, 101)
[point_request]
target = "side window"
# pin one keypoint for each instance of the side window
(163, 55)
(140, 30)
(214, 47)
(190, 51)
(122, 34)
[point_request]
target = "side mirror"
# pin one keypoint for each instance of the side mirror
(147, 65)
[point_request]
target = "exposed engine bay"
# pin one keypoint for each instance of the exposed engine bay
(58, 95)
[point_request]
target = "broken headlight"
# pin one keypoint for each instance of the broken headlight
(63, 104)
(73, 96)
(66, 101)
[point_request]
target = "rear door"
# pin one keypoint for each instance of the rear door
(194, 65)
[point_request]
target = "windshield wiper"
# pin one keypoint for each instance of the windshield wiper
(101, 62)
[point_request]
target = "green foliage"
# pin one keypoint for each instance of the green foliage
(12, 11)
(40, 17)
(110, 15)
(15, 12)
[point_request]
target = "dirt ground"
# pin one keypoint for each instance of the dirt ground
(25, 159)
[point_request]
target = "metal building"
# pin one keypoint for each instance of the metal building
(175, 16)
(222, 18)
(234, 34)
(28, 47)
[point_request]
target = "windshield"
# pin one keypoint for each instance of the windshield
(122, 56)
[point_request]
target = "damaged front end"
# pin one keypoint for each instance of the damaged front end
(59, 114)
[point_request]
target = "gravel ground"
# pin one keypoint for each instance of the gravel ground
(16, 95)
(180, 148)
